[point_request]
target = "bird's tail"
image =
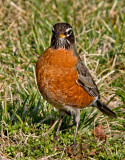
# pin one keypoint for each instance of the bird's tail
(103, 108)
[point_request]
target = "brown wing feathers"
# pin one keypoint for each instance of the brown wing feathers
(85, 79)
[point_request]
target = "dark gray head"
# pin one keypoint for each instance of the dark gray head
(63, 36)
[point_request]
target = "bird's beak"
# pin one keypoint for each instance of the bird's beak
(61, 35)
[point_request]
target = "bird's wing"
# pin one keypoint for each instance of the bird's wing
(85, 79)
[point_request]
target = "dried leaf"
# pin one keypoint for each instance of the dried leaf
(99, 133)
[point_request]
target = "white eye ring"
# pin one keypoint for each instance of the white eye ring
(67, 30)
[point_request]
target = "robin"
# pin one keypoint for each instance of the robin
(64, 80)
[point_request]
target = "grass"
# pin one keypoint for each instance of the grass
(25, 32)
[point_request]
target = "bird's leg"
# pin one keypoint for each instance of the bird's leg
(60, 122)
(77, 118)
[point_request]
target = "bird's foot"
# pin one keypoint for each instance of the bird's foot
(74, 144)
(56, 137)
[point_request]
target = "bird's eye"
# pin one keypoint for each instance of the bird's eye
(68, 32)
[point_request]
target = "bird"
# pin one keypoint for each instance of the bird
(64, 80)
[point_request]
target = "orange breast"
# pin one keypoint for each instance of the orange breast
(56, 78)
